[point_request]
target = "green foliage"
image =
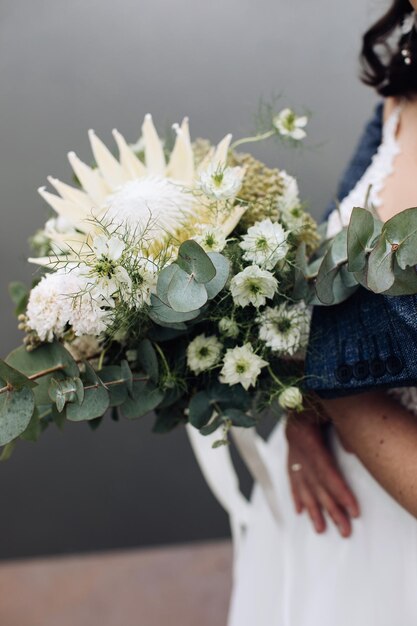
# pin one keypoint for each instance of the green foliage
(145, 398)
(19, 294)
(16, 410)
(194, 261)
(96, 399)
(218, 404)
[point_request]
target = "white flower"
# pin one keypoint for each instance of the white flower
(265, 244)
(291, 398)
(253, 286)
(211, 239)
(284, 328)
(229, 327)
(60, 225)
(203, 353)
(63, 299)
(288, 124)
(241, 365)
(48, 310)
(144, 279)
(107, 277)
(290, 197)
(220, 183)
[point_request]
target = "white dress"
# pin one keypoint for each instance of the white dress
(286, 574)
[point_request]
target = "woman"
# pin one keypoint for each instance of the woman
(358, 479)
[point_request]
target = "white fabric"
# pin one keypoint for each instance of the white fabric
(284, 573)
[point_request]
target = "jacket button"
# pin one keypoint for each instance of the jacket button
(361, 370)
(377, 368)
(394, 365)
(343, 373)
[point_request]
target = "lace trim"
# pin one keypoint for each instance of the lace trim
(375, 177)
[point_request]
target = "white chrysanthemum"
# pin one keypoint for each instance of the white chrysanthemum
(291, 398)
(63, 299)
(203, 353)
(219, 182)
(229, 327)
(265, 244)
(253, 286)
(49, 309)
(285, 328)
(152, 197)
(211, 239)
(241, 365)
(288, 124)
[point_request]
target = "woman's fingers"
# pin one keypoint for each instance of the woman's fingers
(312, 505)
(332, 479)
(340, 518)
(298, 503)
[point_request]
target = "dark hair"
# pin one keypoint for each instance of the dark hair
(383, 64)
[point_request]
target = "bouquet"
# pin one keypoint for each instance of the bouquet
(169, 280)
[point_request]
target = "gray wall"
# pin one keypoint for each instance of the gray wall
(66, 66)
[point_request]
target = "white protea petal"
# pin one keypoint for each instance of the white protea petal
(232, 219)
(128, 159)
(154, 152)
(220, 154)
(90, 179)
(181, 163)
(67, 192)
(109, 166)
(74, 213)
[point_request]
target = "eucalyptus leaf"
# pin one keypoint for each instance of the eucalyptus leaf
(216, 284)
(19, 294)
(334, 258)
(15, 378)
(164, 278)
(401, 231)
(164, 315)
(167, 419)
(380, 275)
(193, 260)
(185, 294)
(16, 410)
(34, 429)
(8, 450)
(117, 393)
(46, 357)
(405, 283)
(96, 398)
(212, 426)
(239, 418)
(361, 232)
(200, 409)
(148, 359)
(145, 398)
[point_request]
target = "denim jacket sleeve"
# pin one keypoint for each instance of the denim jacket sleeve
(365, 150)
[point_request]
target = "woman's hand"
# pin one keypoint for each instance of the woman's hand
(316, 481)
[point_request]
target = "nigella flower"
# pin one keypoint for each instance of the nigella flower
(288, 124)
(284, 328)
(211, 239)
(253, 286)
(291, 398)
(265, 244)
(107, 276)
(241, 365)
(203, 353)
(228, 327)
(220, 183)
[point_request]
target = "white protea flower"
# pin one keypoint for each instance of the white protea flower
(241, 365)
(265, 244)
(220, 182)
(229, 327)
(291, 399)
(285, 328)
(288, 124)
(151, 198)
(211, 239)
(253, 286)
(203, 353)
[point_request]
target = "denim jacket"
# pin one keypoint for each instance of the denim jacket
(370, 340)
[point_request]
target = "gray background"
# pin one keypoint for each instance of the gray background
(68, 65)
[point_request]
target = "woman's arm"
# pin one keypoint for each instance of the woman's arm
(383, 435)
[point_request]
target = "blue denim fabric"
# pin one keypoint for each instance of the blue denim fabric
(370, 340)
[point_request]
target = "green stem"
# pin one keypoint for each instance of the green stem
(274, 378)
(163, 358)
(40, 374)
(254, 139)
